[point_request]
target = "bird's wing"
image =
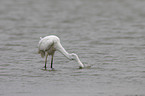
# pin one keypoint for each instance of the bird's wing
(45, 44)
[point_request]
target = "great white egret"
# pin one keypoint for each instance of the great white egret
(49, 44)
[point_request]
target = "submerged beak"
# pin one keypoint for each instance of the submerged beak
(80, 63)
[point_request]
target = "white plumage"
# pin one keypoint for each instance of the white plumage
(49, 44)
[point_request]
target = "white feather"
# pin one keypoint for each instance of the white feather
(50, 44)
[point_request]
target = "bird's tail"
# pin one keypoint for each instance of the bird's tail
(42, 53)
(40, 38)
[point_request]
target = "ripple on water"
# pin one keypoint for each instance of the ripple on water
(108, 41)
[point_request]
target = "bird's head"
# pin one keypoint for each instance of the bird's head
(75, 57)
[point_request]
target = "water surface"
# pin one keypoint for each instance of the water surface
(109, 35)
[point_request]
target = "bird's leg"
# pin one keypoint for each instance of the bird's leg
(46, 61)
(52, 62)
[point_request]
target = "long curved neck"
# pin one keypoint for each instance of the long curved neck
(69, 56)
(62, 50)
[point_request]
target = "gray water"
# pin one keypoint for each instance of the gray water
(108, 35)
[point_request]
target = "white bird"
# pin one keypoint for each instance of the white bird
(49, 44)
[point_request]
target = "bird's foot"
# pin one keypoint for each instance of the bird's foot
(52, 69)
(45, 67)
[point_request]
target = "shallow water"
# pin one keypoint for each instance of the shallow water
(108, 35)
